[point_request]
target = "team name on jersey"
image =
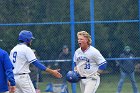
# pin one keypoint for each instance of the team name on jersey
(82, 58)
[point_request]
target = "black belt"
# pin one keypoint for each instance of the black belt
(20, 74)
(83, 77)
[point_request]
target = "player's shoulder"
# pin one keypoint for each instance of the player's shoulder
(93, 48)
(2, 52)
(78, 50)
(21, 46)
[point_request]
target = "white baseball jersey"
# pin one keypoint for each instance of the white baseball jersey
(21, 56)
(87, 62)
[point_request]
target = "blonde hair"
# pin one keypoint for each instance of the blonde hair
(85, 34)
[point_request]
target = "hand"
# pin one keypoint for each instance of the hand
(12, 89)
(54, 72)
(95, 75)
(75, 68)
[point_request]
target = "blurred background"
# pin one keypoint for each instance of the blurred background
(112, 24)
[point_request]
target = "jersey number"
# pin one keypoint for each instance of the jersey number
(14, 57)
(87, 66)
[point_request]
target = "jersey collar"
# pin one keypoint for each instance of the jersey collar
(84, 50)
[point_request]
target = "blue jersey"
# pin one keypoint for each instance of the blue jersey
(6, 73)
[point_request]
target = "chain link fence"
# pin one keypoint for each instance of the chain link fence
(116, 25)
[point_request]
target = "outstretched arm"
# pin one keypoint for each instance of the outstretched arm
(44, 68)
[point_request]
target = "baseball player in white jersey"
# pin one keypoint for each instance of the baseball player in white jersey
(89, 63)
(22, 56)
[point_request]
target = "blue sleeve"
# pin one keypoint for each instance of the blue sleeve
(103, 66)
(10, 76)
(9, 69)
(39, 65)
(7, 62)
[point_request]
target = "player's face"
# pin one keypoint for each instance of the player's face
(30, 43)
(82, 41)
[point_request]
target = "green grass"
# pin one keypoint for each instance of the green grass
(108, 84)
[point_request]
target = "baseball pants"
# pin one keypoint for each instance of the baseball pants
(89, 85)
(24, 84)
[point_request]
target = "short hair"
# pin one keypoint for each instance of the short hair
(85, 34)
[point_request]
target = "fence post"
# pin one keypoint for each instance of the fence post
(72, 24)
(92, 21)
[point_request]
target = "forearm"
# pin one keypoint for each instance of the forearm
(100, 71)
(50, 71)
(39, 65)
(54, 72)
(102, 67)
(10, 76)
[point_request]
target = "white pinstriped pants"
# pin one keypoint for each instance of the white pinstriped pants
(89, 85)
(24, 84)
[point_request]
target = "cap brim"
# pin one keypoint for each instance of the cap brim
(33, 38)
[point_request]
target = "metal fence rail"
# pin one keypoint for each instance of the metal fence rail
(112, 25)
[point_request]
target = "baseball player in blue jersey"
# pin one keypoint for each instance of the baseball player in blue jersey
(6, 73)
(89, 63)
(22, 56)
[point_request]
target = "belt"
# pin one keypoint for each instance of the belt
(86, 77)
(83, 77)
(20, 73)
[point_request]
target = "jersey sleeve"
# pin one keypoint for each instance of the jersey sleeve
(7, 61)
(8, 69)
(99, 59)
(30, 55)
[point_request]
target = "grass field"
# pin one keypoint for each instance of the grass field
(108, 84)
